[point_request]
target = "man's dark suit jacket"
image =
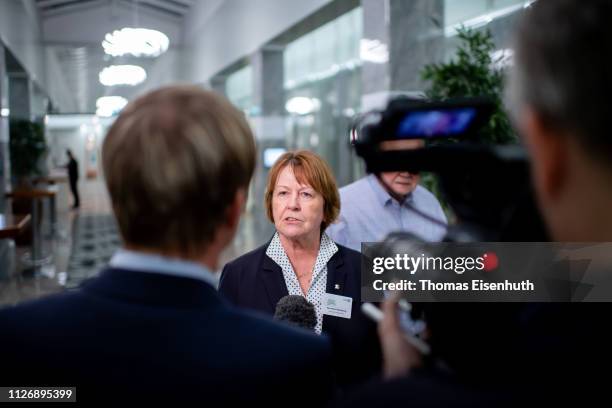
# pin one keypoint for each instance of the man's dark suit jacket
(149, 336)
(255, 281)
(73, 170)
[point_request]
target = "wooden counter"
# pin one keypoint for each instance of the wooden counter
(13, 225)
(32, 193)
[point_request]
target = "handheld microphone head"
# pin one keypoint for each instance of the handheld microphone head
(296, 310)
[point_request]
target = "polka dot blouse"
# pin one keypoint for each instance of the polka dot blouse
(318, 282)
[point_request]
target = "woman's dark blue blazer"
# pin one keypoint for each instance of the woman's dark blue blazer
(255, 281)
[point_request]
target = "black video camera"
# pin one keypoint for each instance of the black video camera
(487, 186)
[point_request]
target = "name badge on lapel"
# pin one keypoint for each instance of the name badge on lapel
(336, 305)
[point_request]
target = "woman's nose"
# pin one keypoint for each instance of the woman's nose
(293, 202)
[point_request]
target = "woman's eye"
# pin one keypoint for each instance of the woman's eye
(307, 195)
(281, 193)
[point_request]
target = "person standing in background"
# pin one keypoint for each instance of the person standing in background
(378, 204)
(73, 177)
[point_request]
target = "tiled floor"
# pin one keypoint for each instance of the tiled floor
(87, 238)
(27, 284)
(94, 240)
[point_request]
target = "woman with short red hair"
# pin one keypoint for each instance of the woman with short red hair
(301, 200)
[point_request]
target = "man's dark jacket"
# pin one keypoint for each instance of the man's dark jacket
(149, 336)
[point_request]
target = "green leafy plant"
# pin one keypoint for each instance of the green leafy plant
(27, 145)
(473, 73)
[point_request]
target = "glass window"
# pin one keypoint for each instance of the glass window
(323, 91)
(239, 88)
(477, 13)
(324, 51)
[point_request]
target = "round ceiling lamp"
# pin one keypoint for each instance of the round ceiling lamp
(139, 42)
(122, 75)
(302, 105)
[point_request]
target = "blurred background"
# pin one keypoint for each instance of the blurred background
(299, 69)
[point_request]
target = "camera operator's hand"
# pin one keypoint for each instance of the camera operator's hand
(399, 356)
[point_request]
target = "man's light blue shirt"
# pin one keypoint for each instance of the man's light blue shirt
(144, 262)
(368, 214)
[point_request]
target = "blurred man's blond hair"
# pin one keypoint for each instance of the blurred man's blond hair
(174, 160)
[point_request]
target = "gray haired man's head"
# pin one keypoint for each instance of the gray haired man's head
(559, 95)
(562, 69)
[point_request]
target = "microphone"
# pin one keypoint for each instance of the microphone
(297, 311)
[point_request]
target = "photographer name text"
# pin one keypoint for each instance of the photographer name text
(474, 285)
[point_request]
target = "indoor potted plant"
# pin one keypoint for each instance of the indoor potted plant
(27, 147)
(472, 72)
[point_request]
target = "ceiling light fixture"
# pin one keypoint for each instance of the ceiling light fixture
(139, 42)
(122, 75)
(110, 105)
(302, 105)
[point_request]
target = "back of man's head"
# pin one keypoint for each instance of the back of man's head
(562, 69)
(174, 161)
(558, 94)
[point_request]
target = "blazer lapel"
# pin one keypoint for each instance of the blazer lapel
(336, 284)
(336, 275)
(272, 277)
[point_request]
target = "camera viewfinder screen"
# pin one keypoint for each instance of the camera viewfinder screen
(435, 123)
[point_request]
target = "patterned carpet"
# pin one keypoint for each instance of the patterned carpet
(95, 239)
